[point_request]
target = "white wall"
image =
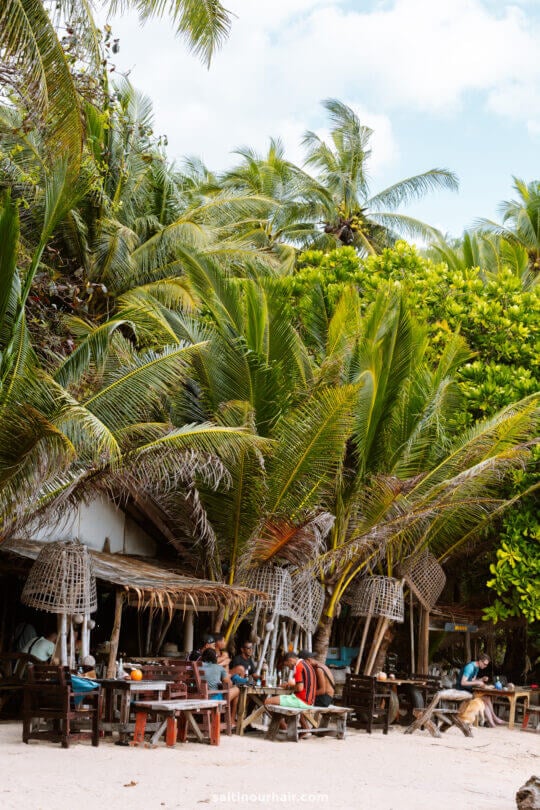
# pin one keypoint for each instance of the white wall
(96, 522)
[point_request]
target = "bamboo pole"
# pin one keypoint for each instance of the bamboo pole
(85, 637)
(115, 635)
(273, 648)
(62, 637)
(382, 626)
(362, 644)
(71, 655)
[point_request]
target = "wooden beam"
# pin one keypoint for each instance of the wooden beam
(423, 642)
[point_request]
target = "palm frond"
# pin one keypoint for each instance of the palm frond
(413, 188)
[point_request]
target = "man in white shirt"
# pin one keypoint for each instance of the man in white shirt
(41, 647)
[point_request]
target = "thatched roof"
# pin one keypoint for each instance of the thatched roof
(153, 584)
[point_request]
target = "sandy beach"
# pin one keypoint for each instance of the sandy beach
(372, 772)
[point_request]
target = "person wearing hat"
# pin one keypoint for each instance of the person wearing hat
(209, 643)
(326, 686)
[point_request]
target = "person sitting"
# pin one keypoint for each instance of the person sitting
(243, 664)
(208, 644)
(223, 657)
(24, 633)
(217, 677)
(304, 682)
(326, 686)
(41, 647)
(468, 679)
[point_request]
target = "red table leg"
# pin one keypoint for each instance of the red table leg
(140, 728)
(215, 725)
(172, 731)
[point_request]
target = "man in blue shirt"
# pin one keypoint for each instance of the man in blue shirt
(468, 678)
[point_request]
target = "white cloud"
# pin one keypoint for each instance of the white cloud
(284, 56)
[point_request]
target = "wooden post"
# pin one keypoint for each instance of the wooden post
(149, 627)
(411, 630)
(164, 630)
(115, 635)
(188, 631)
(423, 642)
(468, 652)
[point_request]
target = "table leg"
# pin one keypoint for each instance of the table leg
(215, 725)
(172, 731)
(512, 711)
(241, 712)
(157, 734)
(182, 727)
(194, 725)
(124, 716)
(140, 728)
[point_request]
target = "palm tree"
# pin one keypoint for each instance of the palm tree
(404, 481)
(290, 218)
(355, 216)
(520, 221)
(35, 65)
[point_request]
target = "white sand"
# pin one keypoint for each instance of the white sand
(366, 772)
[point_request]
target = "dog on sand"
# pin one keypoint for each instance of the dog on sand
(471, 710)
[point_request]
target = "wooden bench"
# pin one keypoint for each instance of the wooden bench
(292, 718)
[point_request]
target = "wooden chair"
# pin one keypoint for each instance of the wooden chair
(49, 696)
(13, 674)
(369, 701)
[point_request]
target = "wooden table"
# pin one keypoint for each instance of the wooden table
(125, 689)
(175, 712)
(257, 695)
(399, 708)
(511, 695)
(437, 716)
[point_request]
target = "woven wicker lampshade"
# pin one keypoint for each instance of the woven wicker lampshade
(307, 600)
(276, 582)
(62, 579)
(425, 577)
(379, 596)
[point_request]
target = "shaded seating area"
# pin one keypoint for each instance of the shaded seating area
(369, 701)
(54, 711)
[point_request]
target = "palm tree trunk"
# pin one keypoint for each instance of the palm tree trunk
(322, 637)
(387, 639)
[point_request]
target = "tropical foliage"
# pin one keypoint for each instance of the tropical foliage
(163, 339)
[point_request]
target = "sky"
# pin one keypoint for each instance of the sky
(443, 83)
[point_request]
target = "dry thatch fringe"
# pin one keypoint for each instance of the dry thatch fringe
(154, 587)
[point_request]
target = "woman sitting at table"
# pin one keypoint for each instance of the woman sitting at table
(217, 678)
(468, 679)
